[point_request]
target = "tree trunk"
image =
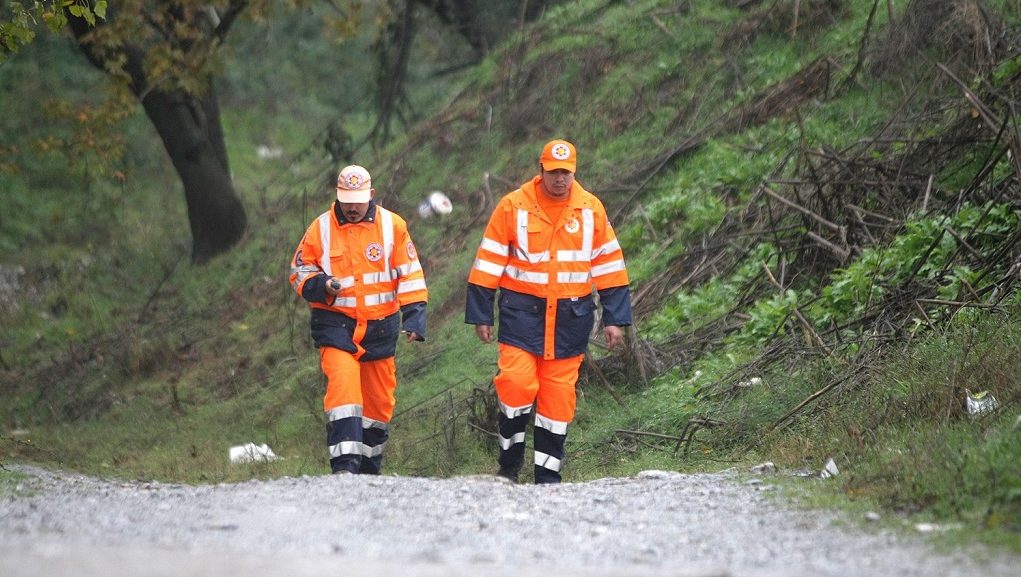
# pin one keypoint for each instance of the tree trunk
(188, 124)
(192, 134)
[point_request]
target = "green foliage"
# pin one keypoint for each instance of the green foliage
(925, 249)
(315, 79)
(689, 310)
(10, 481)
(767, 317)
(15, 32)
(150, 367)
(901, 433)
(708, 302)
(696, 197)
(1006, 70)
(18, 19)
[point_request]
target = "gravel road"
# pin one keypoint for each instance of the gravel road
(656, 523)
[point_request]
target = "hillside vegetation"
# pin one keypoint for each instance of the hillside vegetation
(818, 202)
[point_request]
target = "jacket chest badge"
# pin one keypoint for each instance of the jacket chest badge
(572, 226)
(374, 251)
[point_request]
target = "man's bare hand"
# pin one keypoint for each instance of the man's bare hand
(485, 333)
(614, 336)
(332, 286)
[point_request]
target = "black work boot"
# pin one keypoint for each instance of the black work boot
(510, 473)
(544, 476)
(512, 453)
(345, 464)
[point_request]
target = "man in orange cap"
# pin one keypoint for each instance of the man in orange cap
(548, 245)
(359, 271)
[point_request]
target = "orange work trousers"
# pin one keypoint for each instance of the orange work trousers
(359, 402)
(524, 379)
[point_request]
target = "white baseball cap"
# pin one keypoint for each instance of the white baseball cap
(354, 185)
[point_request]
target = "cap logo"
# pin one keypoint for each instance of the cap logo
(560, 151)
(354, 181)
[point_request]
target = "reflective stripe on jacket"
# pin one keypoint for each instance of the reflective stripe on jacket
(380, 274)
(546, 272)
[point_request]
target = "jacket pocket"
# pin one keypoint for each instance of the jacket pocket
(522, 320)
(384, 328)
(380, 339)
(575, 319)
(340, 263)
(332, 329)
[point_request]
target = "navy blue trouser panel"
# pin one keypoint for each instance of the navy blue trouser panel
(346, 431)
(552, 445)
(373, 437)
(512, 457)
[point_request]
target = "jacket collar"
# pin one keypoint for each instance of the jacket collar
(370, 215)
(531, 189)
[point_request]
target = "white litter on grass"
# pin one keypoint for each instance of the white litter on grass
(435, 203)
(268, 152)
(830, 470)
(980, 402)
(937, 527)
(657, 474)
(250, 453)
(752, 382)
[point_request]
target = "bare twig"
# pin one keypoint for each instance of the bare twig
(852, 76)
(648, 434)
(928, 189)
(152, 296)
(842, 254)
(841, 230)
(925, 316)
(807, 326)
(483, 431)
(797, 408)
(659, 24)
(602, 378)
(963, 242)
(958, 303)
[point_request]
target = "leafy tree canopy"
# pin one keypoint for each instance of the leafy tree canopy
(19, 20)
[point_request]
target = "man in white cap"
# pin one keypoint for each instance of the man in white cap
(359, 271)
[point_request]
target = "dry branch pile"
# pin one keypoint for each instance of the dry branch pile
(839, 203)
(822, 207)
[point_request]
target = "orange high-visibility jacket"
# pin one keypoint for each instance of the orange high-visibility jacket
(379, 271)
(546, 272)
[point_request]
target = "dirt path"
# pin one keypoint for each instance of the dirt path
(656, 523)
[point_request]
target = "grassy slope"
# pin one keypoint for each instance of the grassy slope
(153, 368)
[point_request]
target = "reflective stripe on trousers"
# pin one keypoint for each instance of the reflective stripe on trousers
(549, 439)
(359, 403)
(525, 379)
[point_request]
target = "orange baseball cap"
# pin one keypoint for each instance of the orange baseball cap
(354, 185)
(559, 154)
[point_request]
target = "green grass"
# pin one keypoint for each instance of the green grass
(125, 360)
(11, 482)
